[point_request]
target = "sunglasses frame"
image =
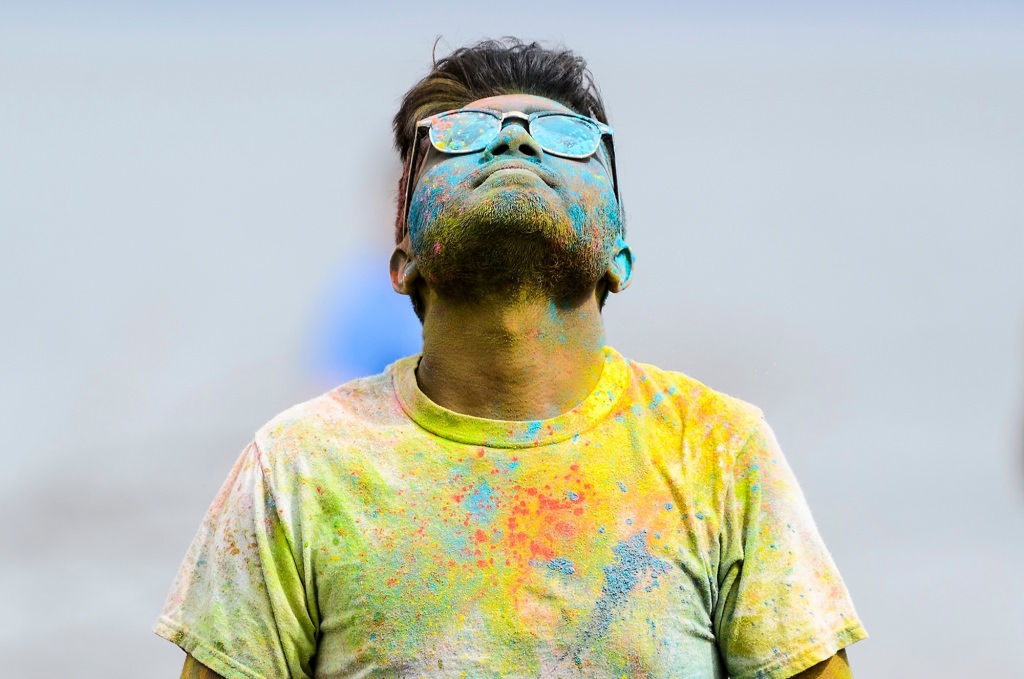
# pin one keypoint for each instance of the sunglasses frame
(423, 129)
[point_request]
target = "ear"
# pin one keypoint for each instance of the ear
(404, 273)
(620, 267)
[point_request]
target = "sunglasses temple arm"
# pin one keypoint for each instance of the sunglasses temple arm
(410, 171)
(615, 176)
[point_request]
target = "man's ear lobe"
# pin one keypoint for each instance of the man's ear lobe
(620, 267)
(404, 273)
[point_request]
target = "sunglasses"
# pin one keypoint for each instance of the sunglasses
(468, 130)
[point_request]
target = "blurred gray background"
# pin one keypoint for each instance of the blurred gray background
(826, 203)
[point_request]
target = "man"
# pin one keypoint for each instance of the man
(520, 500)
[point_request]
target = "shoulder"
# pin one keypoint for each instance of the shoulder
(358, 411)
(702, 411)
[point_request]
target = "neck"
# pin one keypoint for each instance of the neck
(530, 359)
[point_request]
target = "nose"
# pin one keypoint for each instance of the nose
(514, 140)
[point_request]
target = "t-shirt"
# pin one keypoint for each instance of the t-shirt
(655, 530)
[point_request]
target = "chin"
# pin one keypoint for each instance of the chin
(509, 243)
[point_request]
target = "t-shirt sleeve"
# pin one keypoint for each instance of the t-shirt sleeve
(782, 606)
(238, 604)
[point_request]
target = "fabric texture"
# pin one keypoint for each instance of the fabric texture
(653, 531)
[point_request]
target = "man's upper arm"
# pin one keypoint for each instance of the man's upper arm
(835, 667)
(194, 669)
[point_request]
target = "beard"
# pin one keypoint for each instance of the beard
(511, 245)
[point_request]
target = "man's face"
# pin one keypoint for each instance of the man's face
(513, 218)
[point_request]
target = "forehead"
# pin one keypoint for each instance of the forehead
(525, 103)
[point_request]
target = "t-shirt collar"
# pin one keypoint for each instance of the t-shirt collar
(510, 433)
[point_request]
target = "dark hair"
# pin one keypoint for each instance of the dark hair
(486, 69)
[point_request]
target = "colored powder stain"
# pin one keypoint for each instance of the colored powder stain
(622, 486)
(572, 496)
(668, 505)
(672, 389)
(513, 465)
(632, 561)
(563, 566)
(656, 401)
(600, 529)
(699, 516)
(481, 504)
(532, 429)
(578, 217)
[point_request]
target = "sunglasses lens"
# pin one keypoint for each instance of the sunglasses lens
(463, 131)
(566, 135)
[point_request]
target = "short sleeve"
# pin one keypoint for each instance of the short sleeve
(238, 604)
(782, 606)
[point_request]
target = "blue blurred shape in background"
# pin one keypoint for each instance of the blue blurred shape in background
(362, 324)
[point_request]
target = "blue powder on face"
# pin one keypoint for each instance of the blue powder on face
(622, 486)
(572, 496)
(578, 217)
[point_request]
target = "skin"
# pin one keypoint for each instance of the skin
(194, 669)
(512, 220)
(836, 667)
(530, 347)
(509, 253)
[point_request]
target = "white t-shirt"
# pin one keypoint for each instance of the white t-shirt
(653, 531)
